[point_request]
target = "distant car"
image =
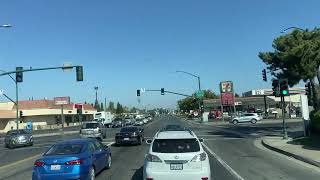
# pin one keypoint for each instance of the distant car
(93, 129)
(145, 120)
(128, 122)
(132, 135)
(80, 159)
(118, 122)
(139, 122)
(247, 117)
(17, 138)
(176, 155)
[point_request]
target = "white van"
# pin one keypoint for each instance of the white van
(104, 117)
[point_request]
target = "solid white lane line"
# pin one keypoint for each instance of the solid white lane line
(224, 164)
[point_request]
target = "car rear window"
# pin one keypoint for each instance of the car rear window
(90, 125)
(131, 129)
(175, 145)
(64, 149)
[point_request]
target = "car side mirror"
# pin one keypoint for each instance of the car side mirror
(201, 140)
(149, 141)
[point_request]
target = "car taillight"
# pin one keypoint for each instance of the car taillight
(38, 163)
(74, 162)
(153, 158)
(199, 157)
(204, 178)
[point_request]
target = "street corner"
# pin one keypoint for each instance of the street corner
(289, 148)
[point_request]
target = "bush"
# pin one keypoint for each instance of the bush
(315, 121)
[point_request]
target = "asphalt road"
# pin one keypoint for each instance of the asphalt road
(233, 152)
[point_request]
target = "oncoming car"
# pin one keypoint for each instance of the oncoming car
(176, 155)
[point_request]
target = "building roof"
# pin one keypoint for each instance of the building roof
(7, 114)
(47, 104)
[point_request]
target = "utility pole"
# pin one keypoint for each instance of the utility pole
(96, 101)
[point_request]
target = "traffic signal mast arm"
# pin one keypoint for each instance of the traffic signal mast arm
(39, 69)
(170, 92)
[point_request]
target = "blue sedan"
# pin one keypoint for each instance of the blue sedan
(78, 159)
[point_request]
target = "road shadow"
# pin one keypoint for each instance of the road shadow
(138, 174)
(311, 143)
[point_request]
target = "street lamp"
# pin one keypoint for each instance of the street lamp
(17, 105)
(293, 27)
(5, 26)
(199, 86)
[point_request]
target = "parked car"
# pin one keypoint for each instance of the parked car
(247, 117)
(176, 155)
(139, 122)
(93, 129)
(17, 138)
(118, 122)
(79, 159)
(132, 135)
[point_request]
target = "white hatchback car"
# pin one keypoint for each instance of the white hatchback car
(176, 155)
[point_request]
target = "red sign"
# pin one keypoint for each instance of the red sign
(227, 99)
(62, 100)
(78, 106)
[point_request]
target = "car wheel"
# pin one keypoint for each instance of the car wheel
(235, 122)
(253, 121)
(109, 162)
(92, 174)
(5, 145)
(10, 145)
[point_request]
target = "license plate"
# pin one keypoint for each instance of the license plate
(176, 166)
(126, 139)
(55, 167)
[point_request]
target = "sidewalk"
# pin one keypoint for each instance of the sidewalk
(299, 148)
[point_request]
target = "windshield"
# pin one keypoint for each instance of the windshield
(90, 125)
(175, 145)
(64, 149)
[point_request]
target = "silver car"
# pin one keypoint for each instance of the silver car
(247, 117)
(93, 129)
(17, 138)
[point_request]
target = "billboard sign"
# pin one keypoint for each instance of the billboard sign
(62, 100)
(227, 99)
(226, 87)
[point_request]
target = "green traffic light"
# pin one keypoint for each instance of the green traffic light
(284, 92)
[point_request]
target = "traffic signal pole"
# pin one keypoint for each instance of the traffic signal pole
(285, 134)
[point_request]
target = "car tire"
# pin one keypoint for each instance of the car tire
(5, 145)
(10, 145)
(253, 121)
(109, 162)
(92, 174)
(235, 122)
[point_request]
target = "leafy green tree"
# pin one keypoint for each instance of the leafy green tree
(237, 95)
(111, 107)
(208, 94)
(101, 107)
(119, 108)
(191, 103)
(296, 56)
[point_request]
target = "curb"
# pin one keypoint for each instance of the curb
(298, 157)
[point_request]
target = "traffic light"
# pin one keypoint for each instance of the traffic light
(308, 89)
(162, 91)
(275, 87)
(284, 87)
(79, 71)
(138, 92)
(19, 75)
(21, 114)
(264, 75)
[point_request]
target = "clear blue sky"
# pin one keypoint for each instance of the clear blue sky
(128, 44)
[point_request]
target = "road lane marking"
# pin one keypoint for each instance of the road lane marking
(21, 161)
(224, 164)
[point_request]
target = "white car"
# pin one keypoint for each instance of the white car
(176, 155)
(145, 120)
(247, 117)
